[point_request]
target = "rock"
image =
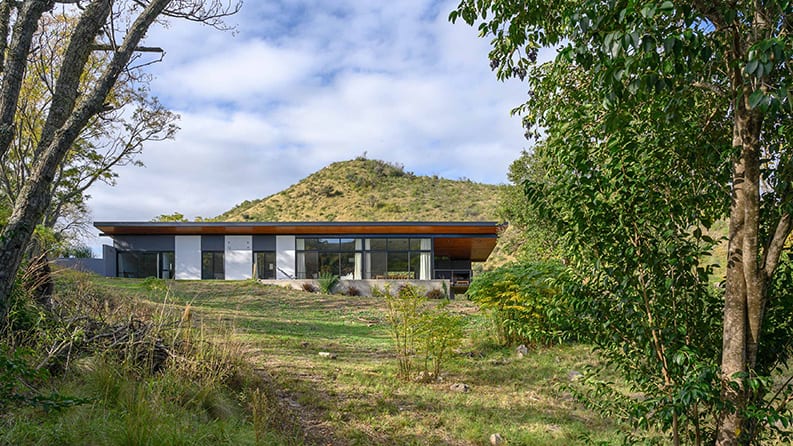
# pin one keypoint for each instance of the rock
(460, 387)
(574, 375)
(426, 377)
(496, 439)
(328, 355)
(522, 351)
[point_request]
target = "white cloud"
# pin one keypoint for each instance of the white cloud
(303, 84)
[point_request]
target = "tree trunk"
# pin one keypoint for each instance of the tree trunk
(746, 284)
(35, 197)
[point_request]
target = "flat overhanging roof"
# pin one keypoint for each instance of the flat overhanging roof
(458, 240)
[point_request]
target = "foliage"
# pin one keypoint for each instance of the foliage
(441, 331)
(19, 382)
(404, 317)
(131, 118)
(352, 291)
(655, 120)
(327, 282)
(77, 251)
(174, 217)
(534, 240)
(524, 303)
(416, 327)
(436, 293)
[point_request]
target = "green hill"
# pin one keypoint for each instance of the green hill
(372, 190)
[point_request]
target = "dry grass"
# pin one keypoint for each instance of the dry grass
(356, 398)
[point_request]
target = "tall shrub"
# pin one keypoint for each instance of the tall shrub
(523, 302)
(421, 329)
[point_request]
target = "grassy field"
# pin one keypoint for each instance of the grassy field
(356, 398)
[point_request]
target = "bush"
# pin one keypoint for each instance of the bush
(327, 282)
(352, 291)
(524, 303)
(436, 293)
(417, 327)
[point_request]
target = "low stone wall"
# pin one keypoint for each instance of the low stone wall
(365, 287)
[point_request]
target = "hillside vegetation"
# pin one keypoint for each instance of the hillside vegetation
(372, 190)
(375, 190)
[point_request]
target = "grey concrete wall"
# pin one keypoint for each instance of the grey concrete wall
(143, 242)
(109, 257)
(213, 243)
(96, 266)
(264, 243)
(366, 287)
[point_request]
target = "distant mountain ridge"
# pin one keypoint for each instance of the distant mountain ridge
(372, 190)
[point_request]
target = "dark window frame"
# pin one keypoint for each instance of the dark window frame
(158, 269)
(213, 273)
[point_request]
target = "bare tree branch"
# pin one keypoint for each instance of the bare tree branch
(66, 88)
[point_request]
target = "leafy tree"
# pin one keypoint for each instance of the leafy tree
(113, 138)
(114, 26)
(175, 217)
(721, 67)
(535, 240)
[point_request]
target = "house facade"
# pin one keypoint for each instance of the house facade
(298, 251)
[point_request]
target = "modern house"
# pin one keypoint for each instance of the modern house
(362, 252)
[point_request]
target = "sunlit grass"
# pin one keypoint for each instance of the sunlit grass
(357, 396)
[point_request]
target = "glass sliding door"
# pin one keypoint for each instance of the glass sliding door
(167, 261)
(265, 264)
(212, 266)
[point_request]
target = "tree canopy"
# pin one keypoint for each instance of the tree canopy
(678, 113)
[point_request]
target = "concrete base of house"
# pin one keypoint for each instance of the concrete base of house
(365, 287)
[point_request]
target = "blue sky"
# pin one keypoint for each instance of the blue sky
(302, 84)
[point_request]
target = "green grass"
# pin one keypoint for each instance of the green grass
(356, 398)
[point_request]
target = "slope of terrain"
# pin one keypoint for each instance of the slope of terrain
(372, 190)
(355, 398)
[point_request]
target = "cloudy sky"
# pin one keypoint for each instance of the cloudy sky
(301, 84)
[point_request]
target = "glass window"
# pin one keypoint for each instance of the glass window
(339, 256)
(376, 244)
(137, 264)
(212, 265)
(329, 263)
(347, 244)
(307, 265)
(265, 264)
(328, 244)
(376, 265)
(398, 244)
(398, 265)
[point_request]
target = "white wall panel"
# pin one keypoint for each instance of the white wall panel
(285, 256)
(188, 257)
(238, 257)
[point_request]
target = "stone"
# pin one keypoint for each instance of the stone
(522, 351)
(574, 375)
(460, 387)
(496, 439)
(328, 355)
